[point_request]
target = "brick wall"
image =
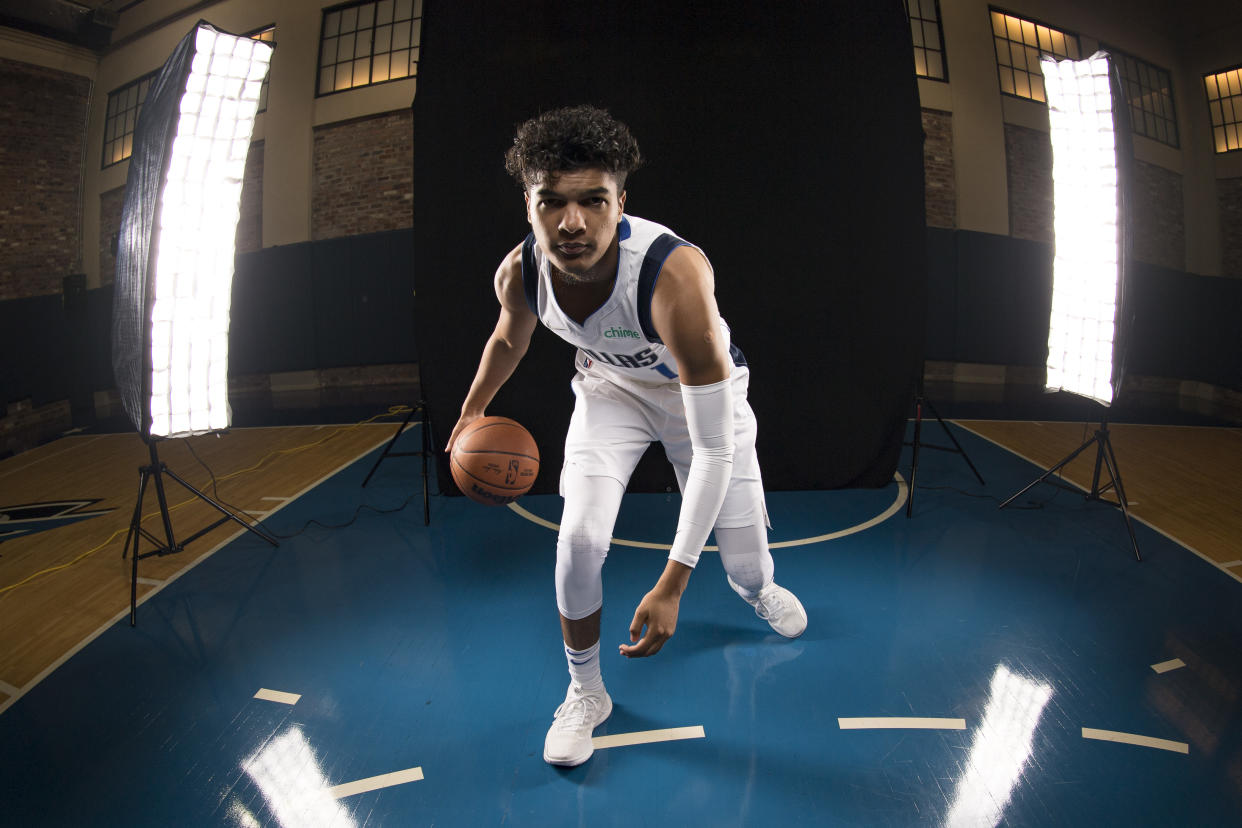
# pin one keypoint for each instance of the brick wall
(938, 173)
(363, 180)
(250, 222)
(110, 204)
(1157, 214)
(1028, 164)
(1229, 194)
(42, 129)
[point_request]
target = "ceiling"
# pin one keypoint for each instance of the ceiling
(85, 23)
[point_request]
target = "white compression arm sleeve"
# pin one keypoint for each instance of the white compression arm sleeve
(709, 416)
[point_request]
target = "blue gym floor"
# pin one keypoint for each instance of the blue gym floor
(996, 636)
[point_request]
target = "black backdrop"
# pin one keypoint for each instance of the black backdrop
(785, 139)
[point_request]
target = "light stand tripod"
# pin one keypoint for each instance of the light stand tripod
(420, 408)
(1104, 457)
(919, 401)
(155, 471)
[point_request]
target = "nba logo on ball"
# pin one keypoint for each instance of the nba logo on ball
(494, 461)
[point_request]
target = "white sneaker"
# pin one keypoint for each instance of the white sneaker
(778, 606)
(568, 741)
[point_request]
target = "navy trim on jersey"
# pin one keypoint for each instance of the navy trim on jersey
(530, 286)
(624, 232)
(653, 263)
(735, 353)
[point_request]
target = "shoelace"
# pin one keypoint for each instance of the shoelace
(575, 713)
(773, 602)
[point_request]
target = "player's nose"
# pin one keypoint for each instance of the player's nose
(572, 220)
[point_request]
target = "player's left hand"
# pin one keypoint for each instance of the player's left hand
(658, 613)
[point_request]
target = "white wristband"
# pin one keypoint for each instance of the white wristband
(709, 417)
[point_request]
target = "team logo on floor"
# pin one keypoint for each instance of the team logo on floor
(28, 518)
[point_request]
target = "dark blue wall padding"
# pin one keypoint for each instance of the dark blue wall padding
(785, 139)
(323, 304)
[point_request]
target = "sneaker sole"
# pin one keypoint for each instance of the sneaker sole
(574, 761)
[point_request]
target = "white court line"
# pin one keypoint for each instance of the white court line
(1222, 567)
(374, 783)
(8, 689)
(646, 737)
(277, 696)
(1135, 739)
(142, 599)
(1231, 564)
(150, 582)
(54, 454)
(902, 492)
(1166, 666)
(256, 512)
(274, 498)
(901, 723)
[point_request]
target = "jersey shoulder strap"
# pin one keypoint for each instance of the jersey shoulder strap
(530, 274)
(649, 271)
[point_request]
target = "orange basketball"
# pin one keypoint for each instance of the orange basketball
(494, 461)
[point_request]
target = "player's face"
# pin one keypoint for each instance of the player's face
(575, 217)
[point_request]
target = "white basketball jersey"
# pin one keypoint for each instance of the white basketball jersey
(617, 341)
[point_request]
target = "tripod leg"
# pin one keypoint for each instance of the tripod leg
(228, 514)
(1049, 473)
(388, 448)
(1106, 452)
(135, 526)
(956, 444)
(914, 464)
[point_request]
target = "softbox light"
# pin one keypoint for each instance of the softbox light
(1088, 152)
(1091, 157)
(174, 267)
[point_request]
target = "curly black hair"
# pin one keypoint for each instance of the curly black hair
(572, 138)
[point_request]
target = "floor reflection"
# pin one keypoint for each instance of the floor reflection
(1000, 749)
(293, 784)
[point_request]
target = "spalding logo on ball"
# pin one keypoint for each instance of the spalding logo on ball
(494, 461)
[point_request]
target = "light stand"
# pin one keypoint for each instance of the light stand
(1104, 459)
(175, 258)
(420, 408)
(154, 472)
(1087, 334)
(920, 399)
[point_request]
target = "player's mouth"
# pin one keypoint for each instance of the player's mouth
(571, 249)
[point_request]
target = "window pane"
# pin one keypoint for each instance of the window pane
(935, 66)
(383, 11)
(1045, 39)
(366, 16)
(1219, 134)
(931, 33)
(345, 48)
(1028, 33)
(363, 46)
(332, 24)
(1002, 52)
(362, 72)
(349, 20)
(1020, 83)
(1006, 81)
(916, 32)
(383, 39)
(401, 36)
(327, 76)
(998, 24)
(1214, 108)
(329, 52)
(400, 64)
(920, 62)
(379, 70)
(403, 10)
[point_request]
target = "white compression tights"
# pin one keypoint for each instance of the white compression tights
(591, 508)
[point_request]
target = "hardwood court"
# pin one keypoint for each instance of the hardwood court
(60, 587)
(1181, 480)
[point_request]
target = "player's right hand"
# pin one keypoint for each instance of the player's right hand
(462, 422)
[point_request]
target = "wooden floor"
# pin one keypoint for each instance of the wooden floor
(1180, 480)
(59, 588)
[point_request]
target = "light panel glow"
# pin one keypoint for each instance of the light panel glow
(1086, 226)
(195, 230)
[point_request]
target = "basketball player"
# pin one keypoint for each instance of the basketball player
(655, 362)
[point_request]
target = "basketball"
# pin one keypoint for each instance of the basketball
(494, 461)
